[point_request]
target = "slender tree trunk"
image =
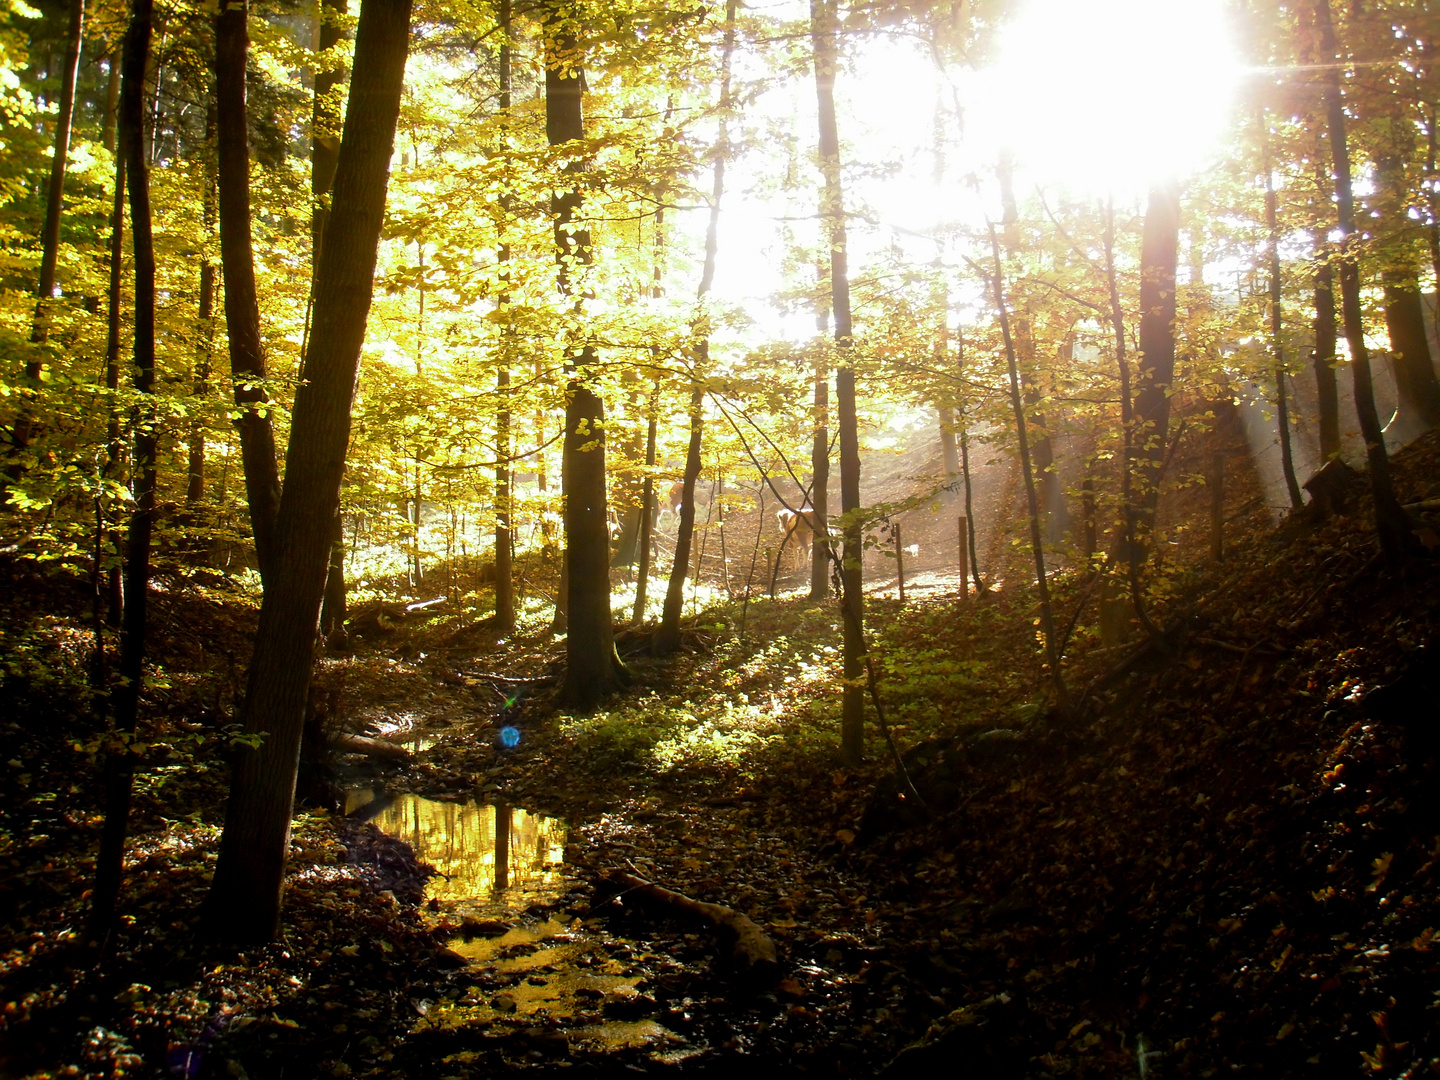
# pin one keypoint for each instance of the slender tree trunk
(962, 423)
(1042, 453)
(647, 508)
(245, 896)
(1410, 345)
(112, 102)
(242, 307)
(55, 192)
(504, 570)
(949, 448)
(1282, 406)
(1391, 522)
(1432, 197)
(333, 600)
(593, 669)
(204, 329)
(324, 153)
(115, 447)
(823, 30)
(50, 233)
(667, 638)
(120, 759)
(820, 457)
(1159, 253)
(1323, 359)
(1037, 546)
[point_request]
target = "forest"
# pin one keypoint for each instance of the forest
(864, 538)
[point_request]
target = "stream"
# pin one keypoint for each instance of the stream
(535, 965)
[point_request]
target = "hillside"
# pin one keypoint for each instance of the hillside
(1225, 863)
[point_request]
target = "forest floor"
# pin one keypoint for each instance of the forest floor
(1227, 864)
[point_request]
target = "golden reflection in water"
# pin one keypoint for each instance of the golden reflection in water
(480, 850)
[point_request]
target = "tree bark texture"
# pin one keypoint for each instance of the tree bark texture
(504, 570)
(245, 896)
(324, 152)
(204, 328)
(1277, 347)
(852, 721)
(1410, 346)
(25, 423)
(1392, 526)
(1027, 466)
(237, 258)
(647, 508)
(1323, 360)
(1159, 253)
(115, 447)
(55, 191)
(119, 760)
(667, 638)
(593, 669)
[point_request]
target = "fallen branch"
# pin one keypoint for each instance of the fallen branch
(511, 680)
(375, 748)
(751, 950)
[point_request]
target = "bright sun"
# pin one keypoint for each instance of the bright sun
(1107, 95)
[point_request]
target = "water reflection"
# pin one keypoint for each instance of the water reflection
(480, 850)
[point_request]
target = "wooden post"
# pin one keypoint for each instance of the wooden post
(964, 559)
(1217, 506)
(899, 562)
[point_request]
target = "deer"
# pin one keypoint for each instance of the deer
(672, 504)
(797, 530)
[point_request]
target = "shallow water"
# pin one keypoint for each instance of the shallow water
(490, 858)
(494, 863)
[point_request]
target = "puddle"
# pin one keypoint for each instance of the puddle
(491, 858)
(495, 862)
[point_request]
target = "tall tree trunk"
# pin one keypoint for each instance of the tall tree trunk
(820, 450)
(1042, 453)
(1277, 349)
(1159, 253)
(593, 668)
(324, 152)
(1410, 346)
(1392, 525)
(120, 759)
(1432, 196)
(823, 32)
(647, 508)
(55, 192)
(112, 102)
(244, 902)
(1410, 358)
(115, 447)
(242, 307)
(50, 233)
(204, 328)
(504, 570)
(1323, 359)
(949, 448)
(667, 638)
(962, 423)
(1037, 546)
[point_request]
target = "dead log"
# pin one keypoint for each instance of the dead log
(751, 950)
(375, 748)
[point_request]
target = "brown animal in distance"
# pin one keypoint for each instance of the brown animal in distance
(797, 530)
(671, 506)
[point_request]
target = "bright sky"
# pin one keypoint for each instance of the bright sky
(1097, 98)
